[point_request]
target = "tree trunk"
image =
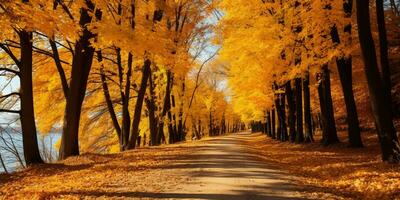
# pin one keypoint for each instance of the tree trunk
(279, 117)
(61, 72)
(27, 114)
(307, 109)
(107, 96)
(345, 74)
(383, 44)
(181, 128)
(139, 104)
(384, 55)
(166, 107)
(344, 66)
(273, 124)
(327, 114)
(200, 131)
(173, 121)
(284, 134)
(299, 111)
(151, 106)
(269, 121)
(292, 108)
(171, 132)
(126, 96)
(381, 107)
(210, 131)
(81, 65)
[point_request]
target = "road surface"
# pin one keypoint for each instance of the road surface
(221, 168)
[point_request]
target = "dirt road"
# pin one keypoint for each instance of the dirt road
(217, 168)
(222, 169)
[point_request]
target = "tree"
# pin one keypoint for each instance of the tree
(81, 66)
(25, 66)
(379, 101)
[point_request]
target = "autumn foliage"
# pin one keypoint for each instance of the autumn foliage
(112, 76)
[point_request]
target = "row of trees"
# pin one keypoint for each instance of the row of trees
(287, 43)
(105, 73)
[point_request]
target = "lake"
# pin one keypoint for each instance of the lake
(11, 148)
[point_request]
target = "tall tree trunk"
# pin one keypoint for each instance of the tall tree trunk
(299, 111)
(381, 106)
(279, 117)
(166, 107)
(273, 124)
(139, 104)
(81, 65)
(151, 106)
(284, 134)
(307, 109)
(181, 128)
(200, 130)
(27, 114)
(107, 96)
(292, 108)
(383, 44)
(345, 74)
(326, 104)
(269, 121)
(384, 55)
(171, 131)
(210, 129)
(173, 121)
(126, 96)
(344, 65)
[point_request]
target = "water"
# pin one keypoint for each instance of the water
(11, 148)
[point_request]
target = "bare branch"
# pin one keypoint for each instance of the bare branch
(9, 95)
(10, 70)
(10, 111)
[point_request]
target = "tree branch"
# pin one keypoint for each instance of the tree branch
(11, 54)
(10, 111)
(9, 95)
(10, 70)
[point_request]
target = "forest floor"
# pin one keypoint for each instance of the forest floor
(345, 173)
(237, 166)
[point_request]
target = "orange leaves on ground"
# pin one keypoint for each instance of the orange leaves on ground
(336, 171)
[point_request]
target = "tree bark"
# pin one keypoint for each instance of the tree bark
(211, 127)
(139, 104)
(125, 96)
(107, 97)
(383, 48)
(292, 108)
(279, 117)
(284, 133)
(344, 65)
(329, 135)
(171, 120)
(81, 65)
(381, 107)
(181, 128)
(269, 126)
(61, 72)
(307, 109)
(166, 107)
(273, 124)
(151, 106)
(384, 55)
(299, 111)
(27, 114)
